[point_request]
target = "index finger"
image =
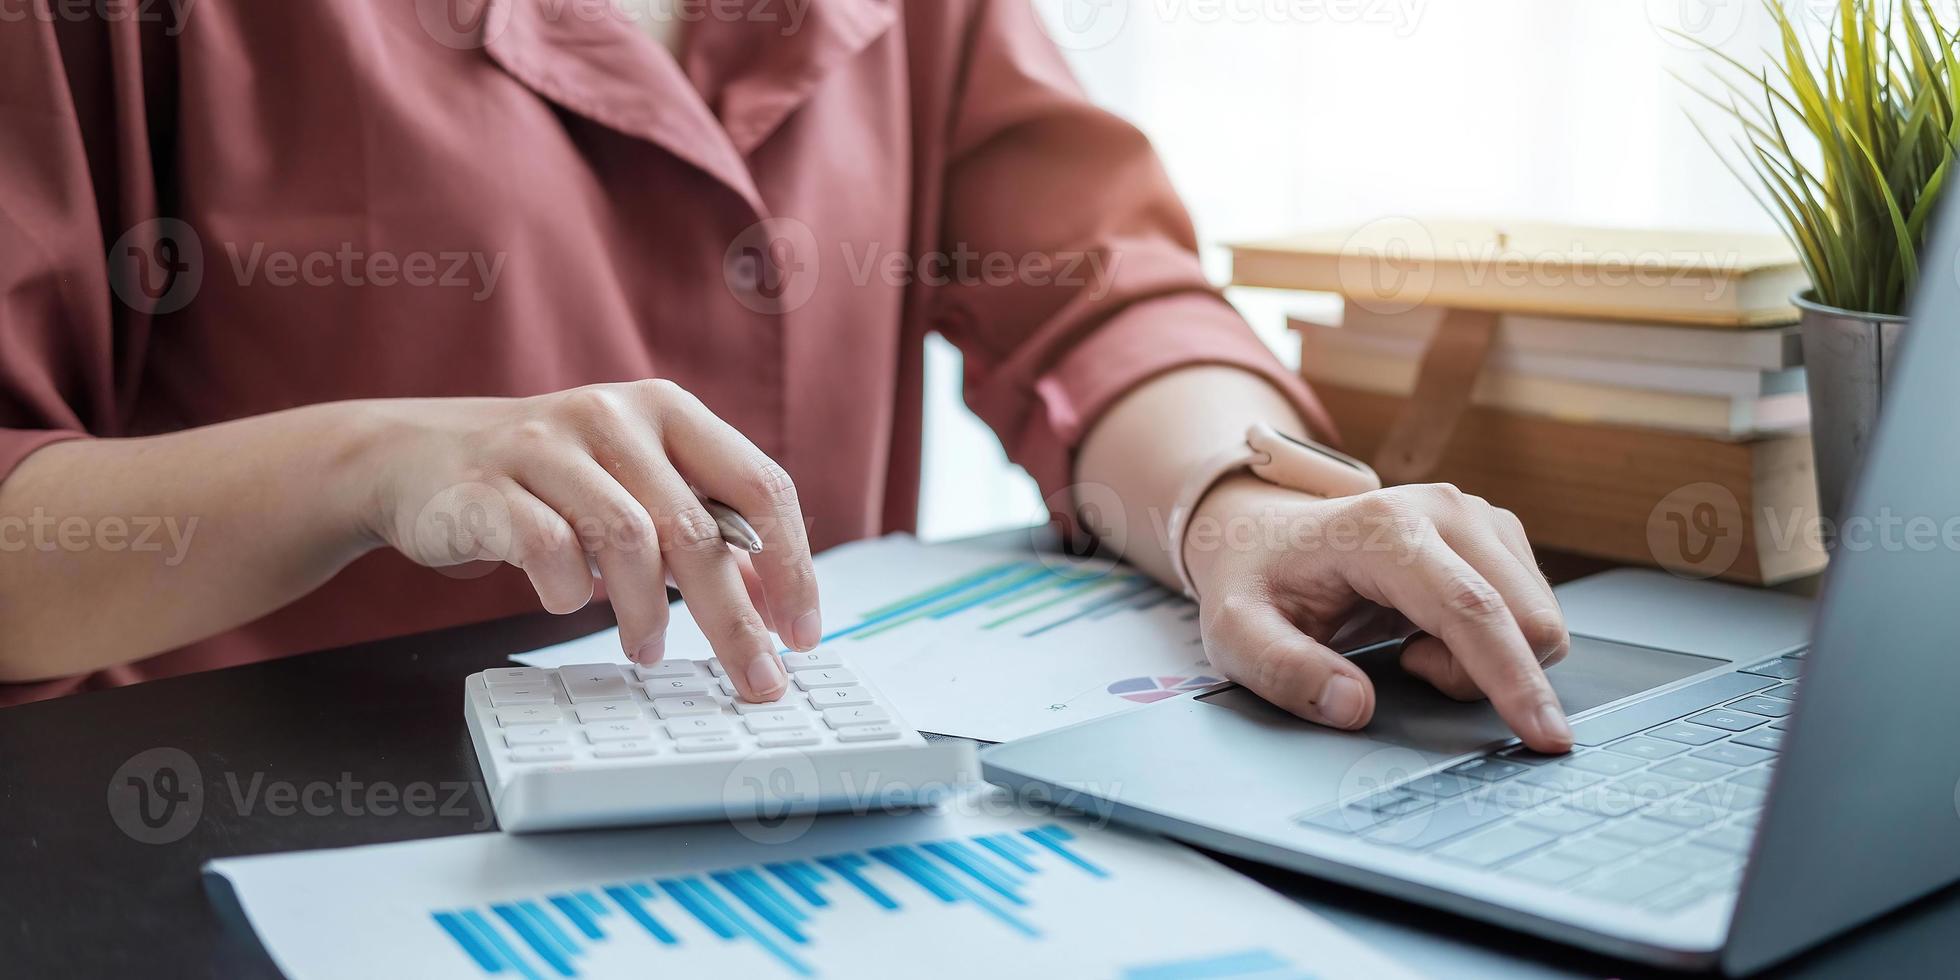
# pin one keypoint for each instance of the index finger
(720, 461)
(1450, 600)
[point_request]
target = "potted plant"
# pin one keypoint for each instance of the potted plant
(1848, 139)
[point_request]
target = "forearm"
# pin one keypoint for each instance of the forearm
(1142, 450)
(116, 549)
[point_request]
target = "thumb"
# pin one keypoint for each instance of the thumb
(1254, 643)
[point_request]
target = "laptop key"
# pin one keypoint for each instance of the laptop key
(1688, 811)
(1780, 724)
(1493, 847)
(1758, 705)
(1431, 827)
(1692, 859)
(1442, 785)
(1752, 778)
(1729, 719)
(1728, 840)
(1732, 754)
(1694, 770)
(1562, 778)
(1642, 747)
(1686, 734)
(1604, 763)
(1592, 852)
(1631, 884)
(1545, 869)
(1560, 819)
(1782, 668)
(1666, 707)
(1768, 741)
(1787, 692)
(1640, 831)
(1487, 770)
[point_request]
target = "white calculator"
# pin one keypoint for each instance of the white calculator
(607, 745)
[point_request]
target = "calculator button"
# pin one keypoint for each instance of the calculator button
(678, 687)
(676, 707)
(537, 735)
(594, 682)
(728, 687)
(814, 660)
(626, 749)
(618, 731)
(788, 702)
(810, 680)
(832, 697)
(514, 675)
(706, 743)
(606, 711)
(507, 694)
(868, 733)
(869, 714)
(541, 753)
(714, 667)
(530, 714)
(700, 725)
(772, 721)
(670, 669)
(788, 738)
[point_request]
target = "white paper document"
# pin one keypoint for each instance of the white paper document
(986, 643)
(977, 894)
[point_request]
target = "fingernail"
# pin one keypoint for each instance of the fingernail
(807, 631)
(1342, 701)
(1552, 725)
(651, 651)
(765, 677)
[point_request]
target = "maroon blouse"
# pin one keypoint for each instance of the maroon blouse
(276, 204)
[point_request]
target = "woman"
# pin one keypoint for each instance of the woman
(352, 293)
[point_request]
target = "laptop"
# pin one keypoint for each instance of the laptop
(1716, 810)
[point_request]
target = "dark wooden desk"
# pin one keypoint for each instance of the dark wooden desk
(79, 897)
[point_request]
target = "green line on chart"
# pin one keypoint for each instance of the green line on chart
(1074, 590)
(955, 584)
(1058, 581)
(953, 601)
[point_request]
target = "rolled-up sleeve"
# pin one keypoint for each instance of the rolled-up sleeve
(1078, 276)
(59, 340)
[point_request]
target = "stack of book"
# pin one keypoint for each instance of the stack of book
(1630, 377)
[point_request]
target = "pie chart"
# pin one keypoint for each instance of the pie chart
(1144, 690)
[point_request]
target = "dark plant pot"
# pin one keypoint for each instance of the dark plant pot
(1847, 361)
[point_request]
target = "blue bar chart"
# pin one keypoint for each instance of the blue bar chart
(776, 907)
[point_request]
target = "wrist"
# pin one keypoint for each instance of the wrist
(361, 440)
(1214, 532)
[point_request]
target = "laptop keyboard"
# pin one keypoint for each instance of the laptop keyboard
(1655, 806)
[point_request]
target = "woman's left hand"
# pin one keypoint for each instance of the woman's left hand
(1457, 567)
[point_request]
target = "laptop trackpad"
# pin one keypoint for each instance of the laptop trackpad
(1411, 714)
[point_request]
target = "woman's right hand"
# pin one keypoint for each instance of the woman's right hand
(609, 473)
